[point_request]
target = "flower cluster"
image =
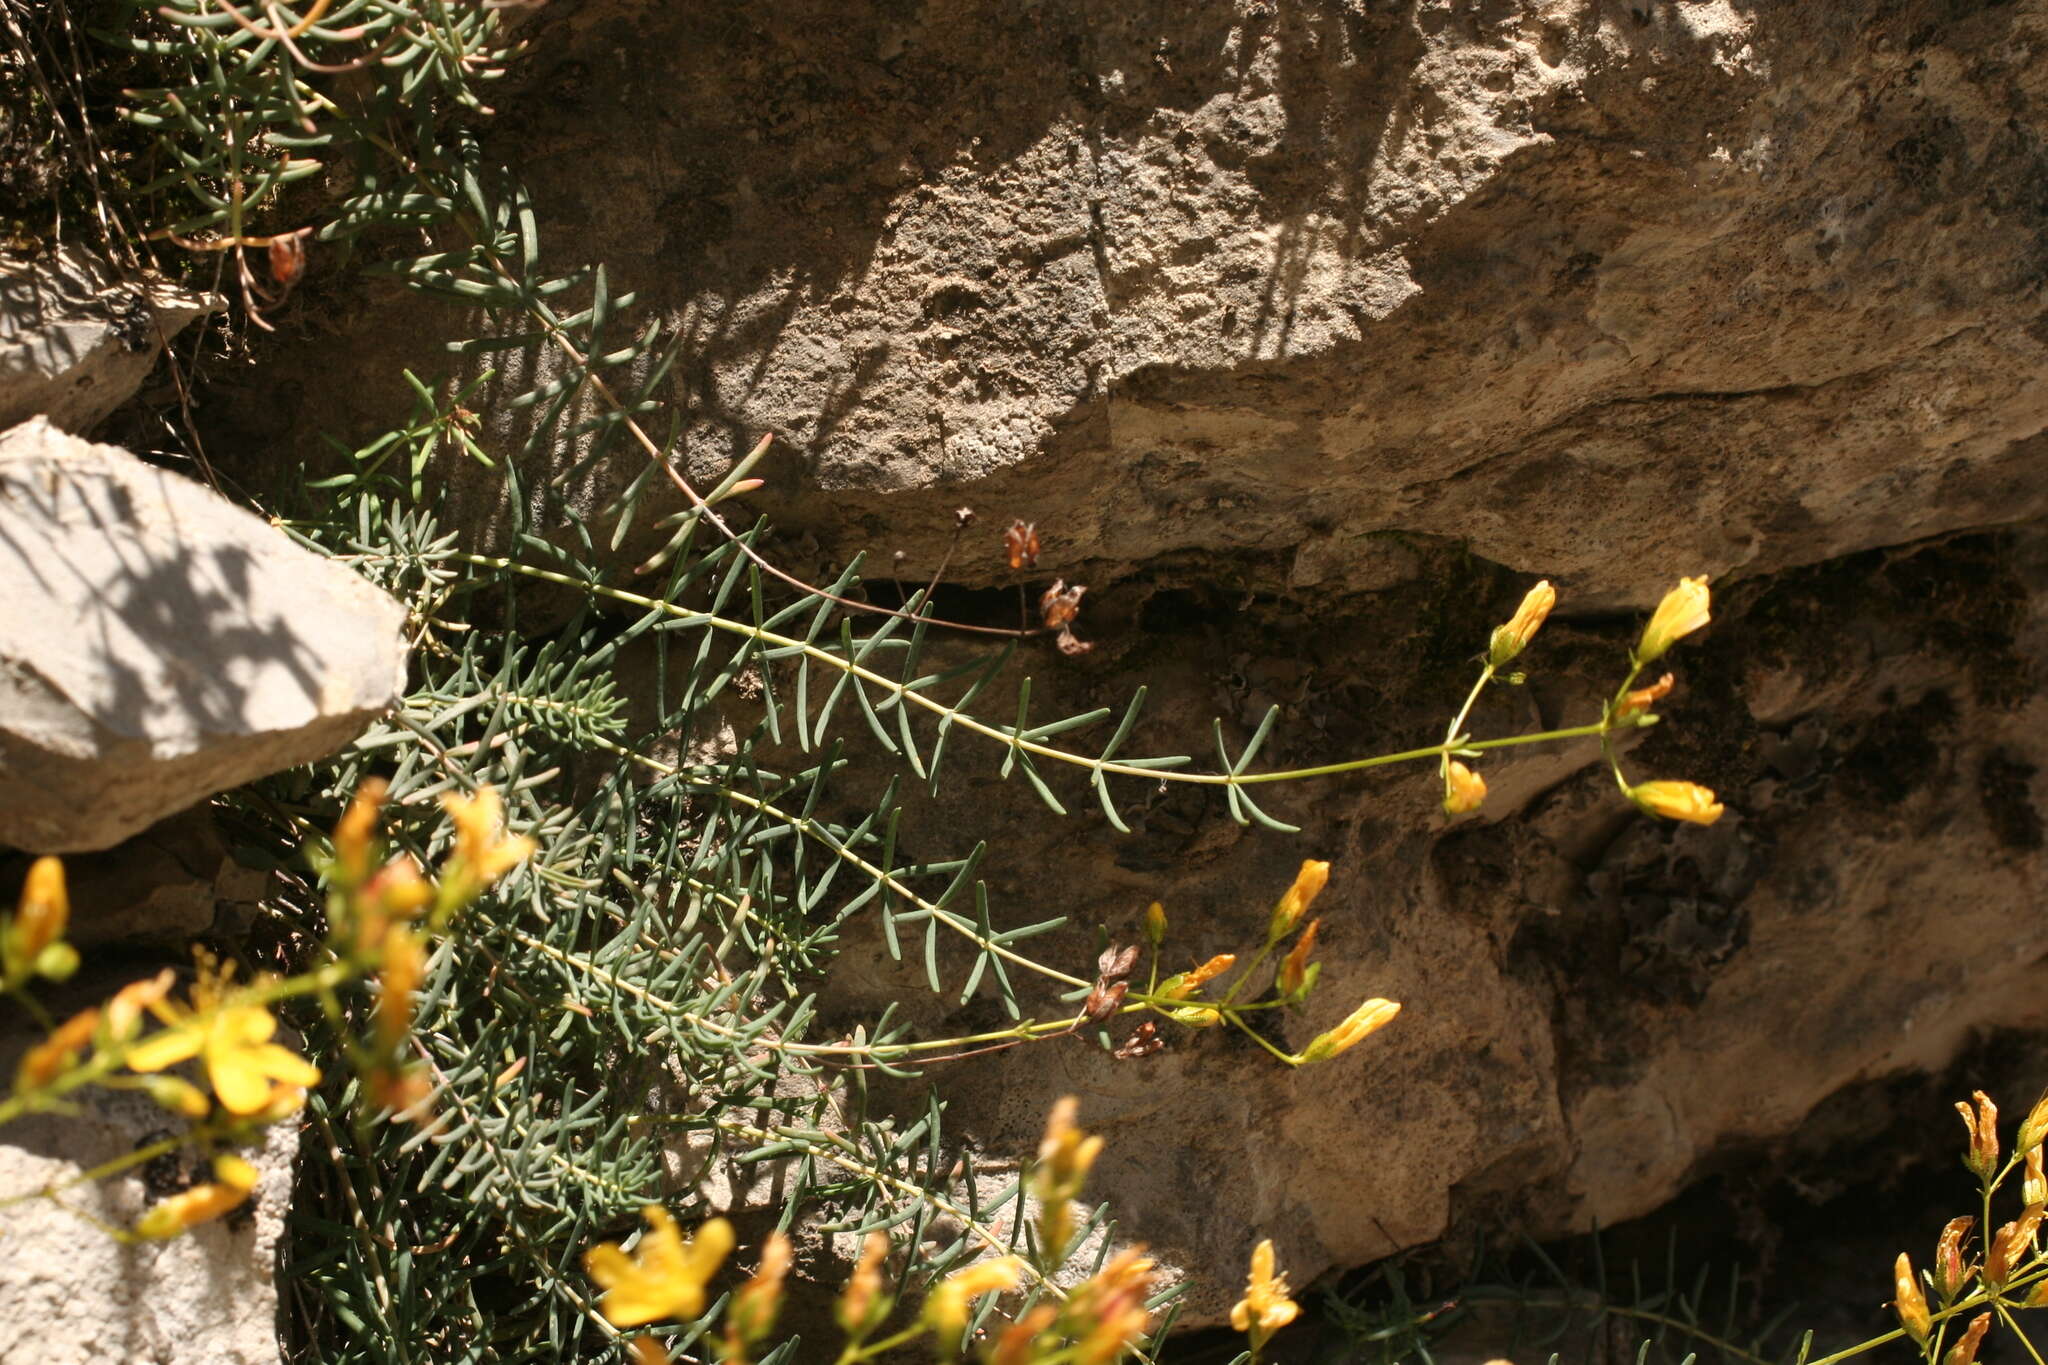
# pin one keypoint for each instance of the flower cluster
(1683, 610)
(2013, 1271)
(214, 1058)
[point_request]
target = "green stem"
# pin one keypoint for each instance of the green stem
(1457, 726)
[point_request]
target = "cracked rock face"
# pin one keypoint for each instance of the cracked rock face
(160, 644)
(1291, 326)
(1704, 285)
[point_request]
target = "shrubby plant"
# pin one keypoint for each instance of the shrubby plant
(618, 955)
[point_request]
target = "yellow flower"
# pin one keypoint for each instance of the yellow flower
(1155, 924)
(244, 1067)
(2034, 1183)
(1265, 1307)
(178, 1095)
(665, 1276)
(946, 1309)
(1464, 790)
(1907, 1300)
(1308, 884)
(233, 1179)
(1367, 1019)
(1512, 638)
(1683, 611)
(482, 849)
(1687, 801)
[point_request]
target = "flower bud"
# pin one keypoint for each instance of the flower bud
(1641, 699)
(43, 1063)
(1155, 924)
(56, 962)
(863, 1305)
(1308, 884)
(2033, 1127)
(648, 1351)
(1065, 1157)
(404, 966)
(1982, 1155)
(1686, 801)
(1020, 1344)
(356, 831)
(1294, 971)
(124, 1011)
(1464, 790)
(2034, 1184)
(1950, 1274)
(2013, 1243)
(41, 914)
(750, 1315)
(1512, 638)
(1965, 1349)
(1684, 610)
(946, 1307)
(1361, 1023)
(1907, 1300)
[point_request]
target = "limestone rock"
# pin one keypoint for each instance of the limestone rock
(1584, 285)
(160, 645)
(76, 340)
(70, 1294)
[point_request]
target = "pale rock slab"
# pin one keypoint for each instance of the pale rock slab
(160, 644)
(76, 340)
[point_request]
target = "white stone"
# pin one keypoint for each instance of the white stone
(158, 644)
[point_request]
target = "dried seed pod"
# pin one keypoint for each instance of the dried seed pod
(1020, 543)
(1143, 1042)
(1060, 604)
(287, 259)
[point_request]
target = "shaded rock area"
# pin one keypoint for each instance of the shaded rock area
(71, 1294)
(77, 340)
(1307, 333)
(160, 644)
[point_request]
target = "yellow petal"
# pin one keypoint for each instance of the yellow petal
(608, 1264)
(168, 1048)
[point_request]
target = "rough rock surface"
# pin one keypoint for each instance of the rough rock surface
(157, 889)
(76, 341)
(160, 644)
(70, 1294)
(1290, 325)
